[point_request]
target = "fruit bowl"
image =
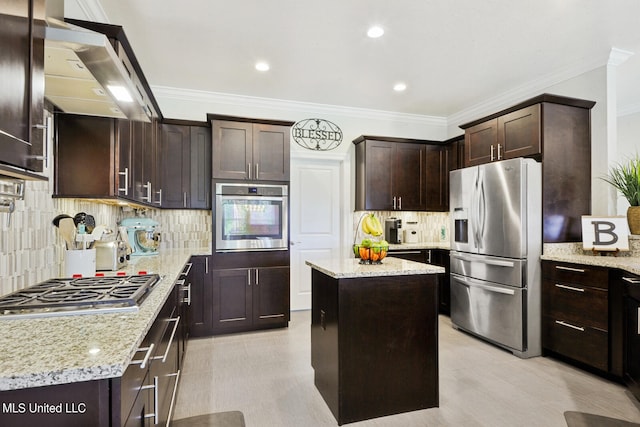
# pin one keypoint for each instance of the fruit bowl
(370, 254)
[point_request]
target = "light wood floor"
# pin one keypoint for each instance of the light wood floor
(268, 376)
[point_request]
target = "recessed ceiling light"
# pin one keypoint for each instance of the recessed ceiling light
(400, 87)
(375, 32)
(262, 66)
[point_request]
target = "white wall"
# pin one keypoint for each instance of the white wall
(628, 147)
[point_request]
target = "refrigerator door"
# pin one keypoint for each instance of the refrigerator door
(501, 209)
(490, 310)
(462, 185)
(506, 271)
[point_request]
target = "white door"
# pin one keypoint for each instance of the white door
(315, 206)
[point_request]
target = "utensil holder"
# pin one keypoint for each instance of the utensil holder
(81, 262)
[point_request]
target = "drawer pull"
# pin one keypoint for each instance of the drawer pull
(577, 270)
(173, 395)
(570, 288)
(186, 273)
(638, 320)
(156, 401)
(631, 280)
(173, 334)
(143, 362)
(568, 325)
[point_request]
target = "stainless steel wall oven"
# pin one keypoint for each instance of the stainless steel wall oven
(251, 217)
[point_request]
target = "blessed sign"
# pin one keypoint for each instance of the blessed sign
(316, 134)
(605, 233)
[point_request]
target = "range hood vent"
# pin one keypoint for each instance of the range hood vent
(86, 74)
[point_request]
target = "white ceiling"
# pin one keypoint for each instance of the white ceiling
(452, 54)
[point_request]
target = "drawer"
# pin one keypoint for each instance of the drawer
(586, 275)
(575, 303)
(578, 342)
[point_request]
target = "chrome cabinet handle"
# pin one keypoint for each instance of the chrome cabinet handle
(257, 277)
(145, 360)
(187, 299)
(392, 253)
(631, 280)
(173, 334)
(577, 270)
(499, 155)
(206, 265)
(249, 169)
(570, 288)
(256, 170)
(400, 203)
(184, 199)
(159, 193)
(429, 256)
(156, 412)
(173, 395)
(492, 153)
(569, 325)
(186, 273)
(147, 198)
(126, 181)
(638, 320)
(248, 277)
(394, 203)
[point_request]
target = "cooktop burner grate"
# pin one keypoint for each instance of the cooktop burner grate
(86, 295)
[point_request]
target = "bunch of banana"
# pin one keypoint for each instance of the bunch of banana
(371, 225)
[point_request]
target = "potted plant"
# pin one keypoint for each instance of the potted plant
(625, 177)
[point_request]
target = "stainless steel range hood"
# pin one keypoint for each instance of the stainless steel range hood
(85, 74)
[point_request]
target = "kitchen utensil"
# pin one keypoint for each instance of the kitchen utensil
(79, 218)
(97, 232)
(68, 231)
(56, 220)
(124, 236)
(90, 223)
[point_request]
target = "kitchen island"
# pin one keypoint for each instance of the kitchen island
(374, 336)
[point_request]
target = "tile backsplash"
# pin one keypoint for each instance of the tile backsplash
(429, 224)
(31, 249)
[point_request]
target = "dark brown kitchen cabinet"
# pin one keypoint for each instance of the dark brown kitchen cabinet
(439, 257)
(22, 85)
(250, 150)
(145, 153)
(556, 131)
(185, 164)
(250, 298)
(200, 296)
(390, 174)
(438, 159)
(575, 312)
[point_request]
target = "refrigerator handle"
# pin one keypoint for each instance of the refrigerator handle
(473, 209)
(482, 213)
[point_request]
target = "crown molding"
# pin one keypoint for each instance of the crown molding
(618, 56)
(528, 90)
(628, 110)
(217, 98)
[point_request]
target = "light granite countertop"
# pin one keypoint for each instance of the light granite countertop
(345, 268)
(56, 350)
(420, 245)
(630, 264)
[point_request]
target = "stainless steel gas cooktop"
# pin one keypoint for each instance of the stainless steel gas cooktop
(84, 295)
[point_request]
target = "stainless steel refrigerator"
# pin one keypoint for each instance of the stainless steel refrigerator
(496, 242)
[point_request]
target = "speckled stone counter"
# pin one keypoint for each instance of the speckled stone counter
(344, 268)
(420, 245)
(573, 253)
(64, 349)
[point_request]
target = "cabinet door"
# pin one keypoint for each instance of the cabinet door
(271, 296)
(137, 157)
(479, 143)
(409, 177)
(519, 133)
(378, 181)
(175, 160)
(232, 302)
(271, 152)
(200, 309)
(437, 178)
(82, 169)
(200, 179)
(232, 144)
(22, 83)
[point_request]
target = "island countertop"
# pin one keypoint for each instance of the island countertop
(63, 349)
(345, 268)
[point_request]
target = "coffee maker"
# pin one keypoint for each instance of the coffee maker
(393, 230)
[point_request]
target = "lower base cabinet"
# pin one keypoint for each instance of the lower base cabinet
(236, 299)
(250, 298)
(439, 257)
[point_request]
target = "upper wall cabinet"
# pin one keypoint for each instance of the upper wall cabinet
(247, 149)
(185, 165)
(390, 174)
(556, 131)
(516, 134)
(21, 84)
